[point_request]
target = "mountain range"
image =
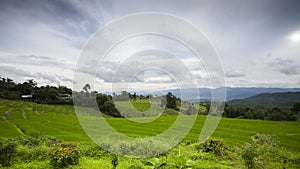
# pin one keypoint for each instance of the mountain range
(232, 93)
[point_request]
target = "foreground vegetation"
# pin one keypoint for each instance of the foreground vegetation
(40, 135)
(41, 152)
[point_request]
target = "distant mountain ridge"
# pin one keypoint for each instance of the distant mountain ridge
(232, 93)
(282, 100)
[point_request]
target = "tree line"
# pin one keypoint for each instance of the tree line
(62, 95)
(274, 114)
(57, 95)
(29, 90)
(245, 112)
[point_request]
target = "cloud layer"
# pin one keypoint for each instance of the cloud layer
(43, 40)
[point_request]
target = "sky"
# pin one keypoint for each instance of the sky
(257, 42)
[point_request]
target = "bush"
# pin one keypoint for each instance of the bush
(39, 153)
(263, 152)
(94, 151)
(217, 147)
(7, 152)
(34, 141)
(31, 154)
(64, 154)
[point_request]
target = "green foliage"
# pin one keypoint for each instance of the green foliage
(263, 101)
(93, 151)
(182, 160)
(27, 154)
(141, 105)
(44, 94)
(264, 152)
(34, 141)
(171, 101)
(274, 114)
(114, 160)
(7, 151)
(217, 147)
(31, 165)
(64, 154)
(155, 163)
(106, 105)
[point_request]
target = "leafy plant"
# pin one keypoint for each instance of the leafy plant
(64, 154)
(217, 147)
(155, 163)
(114, 160)
(7, 152)
(264, 152)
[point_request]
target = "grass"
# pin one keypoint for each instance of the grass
(61, 122)
(20, 118)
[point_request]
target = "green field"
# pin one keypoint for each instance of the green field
(20, 118)
(25, 118)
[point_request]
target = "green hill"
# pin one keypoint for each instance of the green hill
(19, 118)
(59, 121)
(283, 100)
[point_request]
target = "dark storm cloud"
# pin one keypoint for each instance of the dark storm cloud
(24, 22)
(49, 12)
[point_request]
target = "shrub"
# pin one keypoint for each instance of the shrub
(34, 141)
(7, 152)
(135, 166)
(263, 152)
(64, 154)
(94, 151)
(39, 153)
(22, 153)
(217, 147)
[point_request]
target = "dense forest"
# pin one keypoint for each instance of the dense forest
(282, 100)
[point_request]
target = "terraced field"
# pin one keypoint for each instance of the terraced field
(60, 121)
(20, 118)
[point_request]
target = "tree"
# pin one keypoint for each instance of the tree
(171, 101)
(276, 114)
(86, 88)
(110, 109)
(295, 112)
(107, 106)
(229, 111)
(296, 108)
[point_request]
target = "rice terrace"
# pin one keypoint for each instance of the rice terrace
(34, 127)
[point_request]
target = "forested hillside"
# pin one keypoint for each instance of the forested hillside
(284, 101)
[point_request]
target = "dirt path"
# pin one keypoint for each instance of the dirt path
(18, 128)
(24, 115)
(6, 114)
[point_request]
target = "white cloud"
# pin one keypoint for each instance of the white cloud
(43, 40)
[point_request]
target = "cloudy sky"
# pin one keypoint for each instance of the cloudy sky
(258, 42)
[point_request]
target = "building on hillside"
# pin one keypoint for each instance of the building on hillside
(65, 96)
(26, 96)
